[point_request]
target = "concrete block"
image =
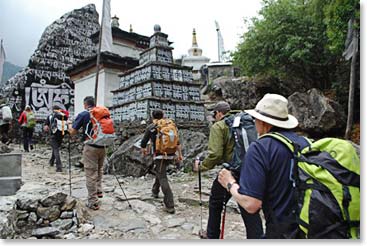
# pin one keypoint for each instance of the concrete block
(10, 173)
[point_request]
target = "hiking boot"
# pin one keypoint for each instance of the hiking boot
(154, 195)
(169, 210)
(31, 146)
(203, 234)
(51, 163)
(59, 170)
(93, 206)
(100, 194)
(79, 164)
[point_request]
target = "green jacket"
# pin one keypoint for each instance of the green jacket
(220, 146)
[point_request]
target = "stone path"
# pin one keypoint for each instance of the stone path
(116, 220)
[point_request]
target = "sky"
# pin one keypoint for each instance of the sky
(22, 22)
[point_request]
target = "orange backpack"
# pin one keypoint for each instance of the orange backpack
(103, 130)
(167, 136)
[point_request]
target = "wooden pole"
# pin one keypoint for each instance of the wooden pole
(98, 56)
(348, 129)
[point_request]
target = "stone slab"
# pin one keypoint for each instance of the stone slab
(10, 164)
(10, 173)
(10, 185)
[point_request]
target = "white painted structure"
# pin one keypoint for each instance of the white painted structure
(107, 81)
(124, 44)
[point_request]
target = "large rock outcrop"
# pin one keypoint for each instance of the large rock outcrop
(44, 83)
(317, 114)
(240, 93)
(244, 92)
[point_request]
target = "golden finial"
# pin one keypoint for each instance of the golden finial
(194, 42)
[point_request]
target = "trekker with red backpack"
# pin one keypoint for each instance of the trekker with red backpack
(164, 136)
(98, 126)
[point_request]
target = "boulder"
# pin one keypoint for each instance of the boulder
(55, 199)
(240, 93)
(318, 115)
(244, 92)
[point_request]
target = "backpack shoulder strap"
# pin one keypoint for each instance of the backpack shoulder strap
(281, 138)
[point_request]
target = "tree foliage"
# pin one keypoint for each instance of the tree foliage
(289, 41)
(337, 15)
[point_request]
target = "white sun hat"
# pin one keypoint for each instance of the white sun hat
(273, 109)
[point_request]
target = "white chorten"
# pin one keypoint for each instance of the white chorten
(195, 58)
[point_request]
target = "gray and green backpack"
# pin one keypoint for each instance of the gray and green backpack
(326, 179)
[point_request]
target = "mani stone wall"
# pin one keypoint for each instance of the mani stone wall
(158, 83)
(43, 83)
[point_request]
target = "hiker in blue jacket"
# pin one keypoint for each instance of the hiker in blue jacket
(264, 181)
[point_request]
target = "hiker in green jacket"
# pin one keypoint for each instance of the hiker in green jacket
(220, 149)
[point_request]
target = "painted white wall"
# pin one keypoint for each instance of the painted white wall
(83, 87)
(107, 81)
(111, 82)
(124, 50)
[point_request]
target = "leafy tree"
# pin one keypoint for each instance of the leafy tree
(288, 41)
(337, 15)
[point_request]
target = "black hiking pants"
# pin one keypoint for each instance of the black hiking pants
(4, 131)
(55, 142)
(161, 181)
(218, 195)
(27, 138)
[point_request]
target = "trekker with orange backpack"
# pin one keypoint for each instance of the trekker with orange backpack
(98, 133)
(164, 136)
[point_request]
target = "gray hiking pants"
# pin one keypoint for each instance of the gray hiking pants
(161, 181)
(93, 159)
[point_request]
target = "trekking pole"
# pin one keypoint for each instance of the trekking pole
(69, 165)
(198, 160)
(226, 166)
(114, 174)
(223, 220)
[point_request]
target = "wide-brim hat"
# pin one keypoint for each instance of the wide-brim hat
(273, 109)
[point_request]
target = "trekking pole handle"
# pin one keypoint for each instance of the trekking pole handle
(226, 166)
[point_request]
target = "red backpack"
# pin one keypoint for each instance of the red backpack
(103, 132)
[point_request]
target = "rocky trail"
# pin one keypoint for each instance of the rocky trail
(146, 218)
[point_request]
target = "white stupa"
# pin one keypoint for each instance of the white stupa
(195, 58)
